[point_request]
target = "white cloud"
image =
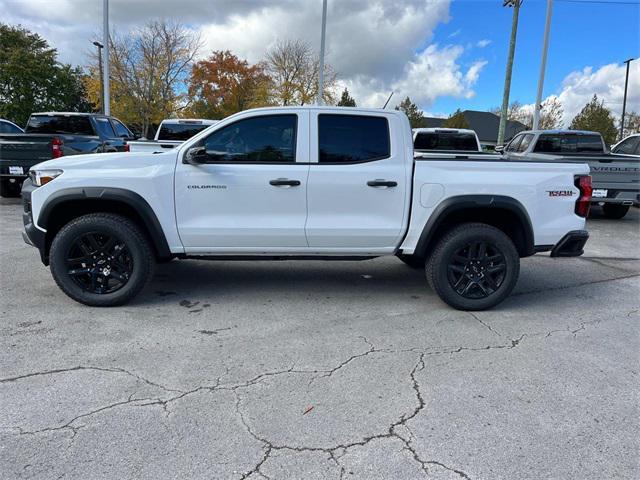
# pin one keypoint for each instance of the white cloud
(483, 43)
(375, 45)
(607, 82)
(455, 34)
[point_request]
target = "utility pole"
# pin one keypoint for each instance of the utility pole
(100, 46)
(624, 102)
(543, 65)
(105, 32)
(322, 38)
(507, 78)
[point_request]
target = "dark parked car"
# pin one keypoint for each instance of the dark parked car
(52, 135)
(9, 127)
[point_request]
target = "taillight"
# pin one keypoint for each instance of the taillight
(126, 147)
(583, 204)
(56, 148)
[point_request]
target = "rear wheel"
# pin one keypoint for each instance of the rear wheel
(473, 267)
(101, 259)
(614, 211)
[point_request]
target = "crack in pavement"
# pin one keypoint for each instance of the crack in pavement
(334, 452)
(486, 325)
(80, 367)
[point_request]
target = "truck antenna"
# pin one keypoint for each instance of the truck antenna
(385, 103)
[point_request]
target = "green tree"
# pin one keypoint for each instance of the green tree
(412, 111)
(598, 118)
(31, 78)
(346, 100)
(456, 120)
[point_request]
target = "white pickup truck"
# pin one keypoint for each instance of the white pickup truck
(302, 183)
(171, 133)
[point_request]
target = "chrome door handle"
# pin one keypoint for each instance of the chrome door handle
(377, 183)
(284, 182)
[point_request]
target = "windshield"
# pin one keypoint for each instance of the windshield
(65, 124)
(179, 131)
(445, 141)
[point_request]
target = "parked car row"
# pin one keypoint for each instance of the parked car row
(50, 135)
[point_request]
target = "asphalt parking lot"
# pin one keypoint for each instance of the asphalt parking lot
(323, 370)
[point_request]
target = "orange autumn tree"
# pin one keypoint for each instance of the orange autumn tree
(224, 84)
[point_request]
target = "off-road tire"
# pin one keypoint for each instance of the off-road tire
(447, 252)
(140, 253)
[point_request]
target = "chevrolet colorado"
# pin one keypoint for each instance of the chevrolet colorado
(301, 183)
(52, 135)
(616, 177)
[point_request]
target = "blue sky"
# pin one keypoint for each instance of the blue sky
(582, 34)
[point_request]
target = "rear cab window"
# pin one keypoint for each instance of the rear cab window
(63, 124)
(345, 139)
(445, 141)
(179, 131)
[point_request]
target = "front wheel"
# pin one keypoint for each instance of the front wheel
(101, 259)
(615, 211)
(473, 267)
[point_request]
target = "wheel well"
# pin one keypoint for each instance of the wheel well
(64, 212)
(504, 219)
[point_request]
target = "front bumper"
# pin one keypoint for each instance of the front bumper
(571, 245)
(32, 235)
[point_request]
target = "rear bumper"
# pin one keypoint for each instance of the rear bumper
(571, 245)
(32, 235)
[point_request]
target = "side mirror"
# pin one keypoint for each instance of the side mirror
(195, 156)
(499, 149)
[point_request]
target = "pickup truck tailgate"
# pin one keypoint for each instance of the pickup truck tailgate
(618, 172)
(22, 151)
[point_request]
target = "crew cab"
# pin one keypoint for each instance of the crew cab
(171, 133)
(52, 135)
(445, 139)
(302, 183)
(616, 177)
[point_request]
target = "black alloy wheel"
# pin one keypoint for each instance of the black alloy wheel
(477, 270)
(99, 262)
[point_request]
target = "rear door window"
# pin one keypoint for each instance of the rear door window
(352, 138)
(64, 124)
(121, 130)
(104, 127)
(445, 141)
(557, 144)
(179, 131)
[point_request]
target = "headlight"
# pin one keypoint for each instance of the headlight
(42, 177)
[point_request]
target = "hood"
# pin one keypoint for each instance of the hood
(97, 161)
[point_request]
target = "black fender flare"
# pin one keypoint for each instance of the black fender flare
(469, 202)
(132, 199)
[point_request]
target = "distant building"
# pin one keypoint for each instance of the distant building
(485, 124)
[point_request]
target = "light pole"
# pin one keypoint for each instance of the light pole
(543, 65)
(507, 78)
(322, 35)
(105, 41)
(624, 101)
(100, 47)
